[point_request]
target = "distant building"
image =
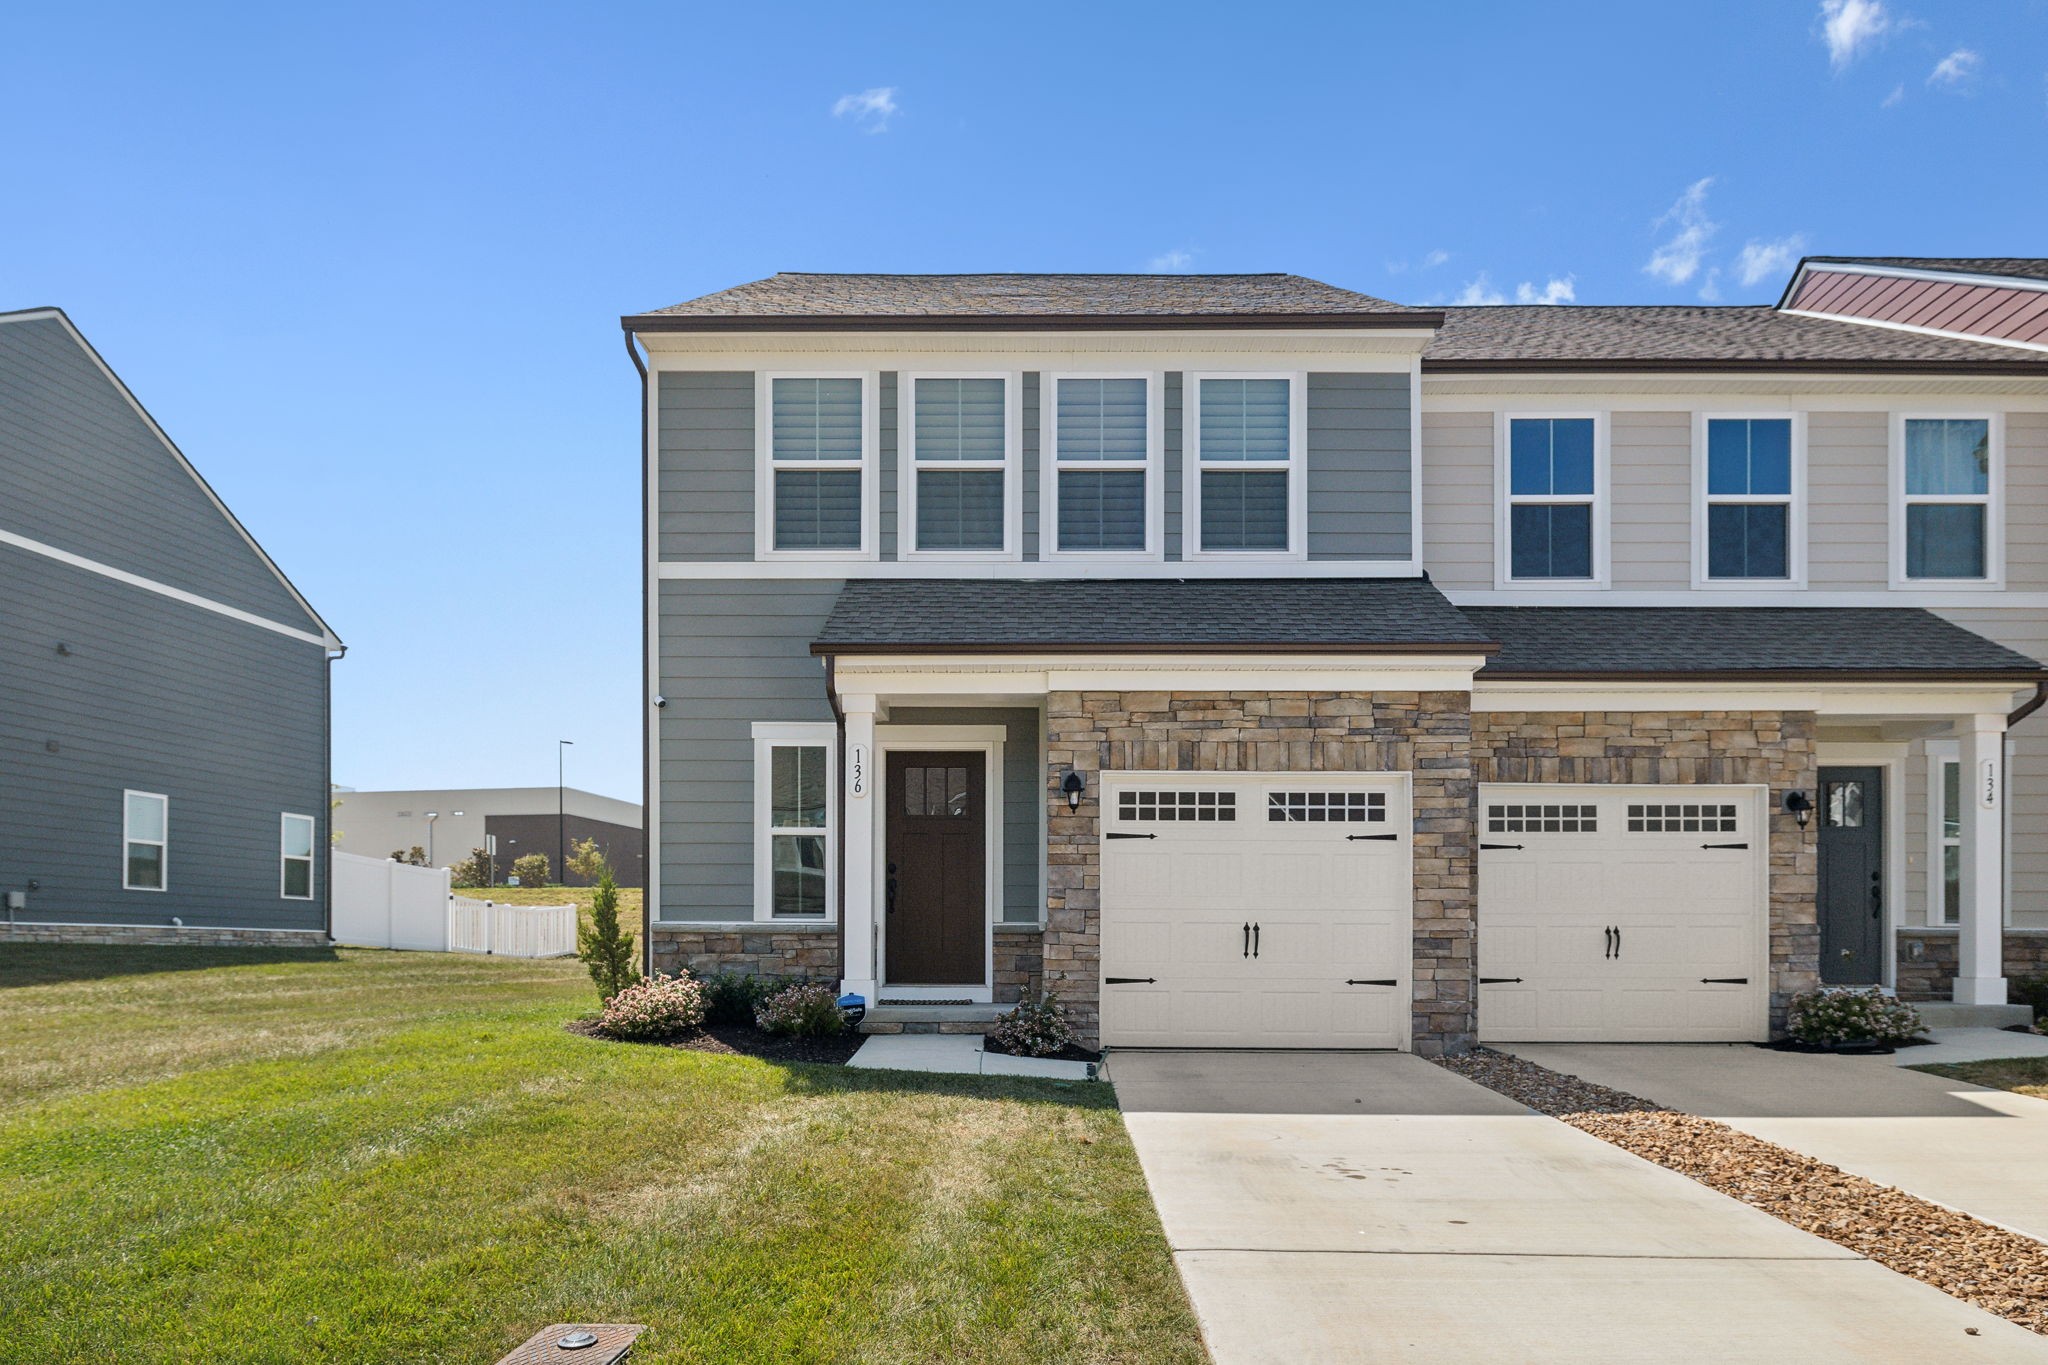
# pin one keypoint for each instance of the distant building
(449, 823)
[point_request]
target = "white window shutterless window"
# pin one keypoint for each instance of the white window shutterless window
(1947, 518)
(295, 857)
(794, 771)
(1553, 520)
(1103, 433)
(960, 438)
(1749, 522)
(1246, 443)
(145, 840)
(815, 492)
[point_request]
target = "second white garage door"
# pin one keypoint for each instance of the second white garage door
(1257, 912)
(1623, 914)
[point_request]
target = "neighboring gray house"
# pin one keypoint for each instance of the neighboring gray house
(163, 687)
(1252, 662)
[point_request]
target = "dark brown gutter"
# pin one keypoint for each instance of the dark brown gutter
(1155, 647)
(1029, 322)
(1594, 368)
(2030, 705)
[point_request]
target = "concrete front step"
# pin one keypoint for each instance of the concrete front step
(974, 1019)
(1948, 1014)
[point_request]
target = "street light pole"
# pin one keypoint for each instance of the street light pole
(561, 815)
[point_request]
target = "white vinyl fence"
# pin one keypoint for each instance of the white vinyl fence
(382, 904)
(511, 930)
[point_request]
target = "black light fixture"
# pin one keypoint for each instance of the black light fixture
(1073, 785)
(1800, 806)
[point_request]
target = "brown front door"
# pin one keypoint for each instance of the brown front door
(936, 888)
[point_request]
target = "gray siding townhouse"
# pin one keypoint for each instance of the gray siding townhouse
(163, 687)
(1251, 662)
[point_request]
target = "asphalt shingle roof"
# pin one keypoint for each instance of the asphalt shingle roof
(1600, 336)
(1721, 641)
(1328, 614)
(798, 294)
(2014, 267)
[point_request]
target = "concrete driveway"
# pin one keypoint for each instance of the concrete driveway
(1372, 1207)
(1982, 1151)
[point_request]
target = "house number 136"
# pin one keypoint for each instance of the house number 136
(857, 770)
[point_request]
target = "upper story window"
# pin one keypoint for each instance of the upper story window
(145, 838)
(1246, 441)
(1102, 463)
(1750, 517)
(1947, 513)
(960, 456)
(1554, 499)
(817, 439)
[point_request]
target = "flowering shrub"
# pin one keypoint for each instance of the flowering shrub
(1841, 1015)
(809, 1011)
(732, 997)
(657, 1007)
(1036, 1028)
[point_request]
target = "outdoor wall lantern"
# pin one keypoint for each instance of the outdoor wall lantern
(1800, 806)
(1073, 785)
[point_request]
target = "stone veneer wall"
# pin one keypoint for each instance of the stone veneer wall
(1932, 975)
(164, 935)
(1708, 748)
(1426, 734)
(1018, 962)
(786, 952)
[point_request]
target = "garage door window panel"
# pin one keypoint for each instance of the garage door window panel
(1318, 807)
(1182, 806)
(1546, 819)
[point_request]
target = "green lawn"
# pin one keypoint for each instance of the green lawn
(2027, 1075)
(367, 1156)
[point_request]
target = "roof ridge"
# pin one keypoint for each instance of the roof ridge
(1056, 275)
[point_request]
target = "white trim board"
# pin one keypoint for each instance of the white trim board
(1070, 565)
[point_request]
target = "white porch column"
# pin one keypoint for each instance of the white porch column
(857, 781)
(1980, 949)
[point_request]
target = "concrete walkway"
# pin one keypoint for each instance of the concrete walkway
(957, 1054)
(1372, 1207)
(1982, 1151)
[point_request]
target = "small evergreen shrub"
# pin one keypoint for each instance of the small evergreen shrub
(1036, 1028)
(604, 947)
(655, 1008)
(2033, 991)
(806, 1011)
(1842, 1015)
(732, 997)
(473, 871)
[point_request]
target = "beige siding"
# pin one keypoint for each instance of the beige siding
(2026, 497)
(1650, 507)
(1848, 485)
(2026, 783)
(1457, 498)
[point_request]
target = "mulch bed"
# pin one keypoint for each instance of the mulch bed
(1069, 1053)
(1999, 1271)
(744, 1040)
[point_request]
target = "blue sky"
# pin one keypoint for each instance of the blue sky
(366, 263)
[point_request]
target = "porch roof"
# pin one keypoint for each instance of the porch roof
(997, 616)
(1887, 643)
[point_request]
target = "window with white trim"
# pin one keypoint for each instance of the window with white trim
(295, 857)
(817, 448)
(145, 840)
(1553, 498)
(794, 872)
(1948, 474)
(1749, 526)
(959, 442)
(1102, 463)
(1245, 438)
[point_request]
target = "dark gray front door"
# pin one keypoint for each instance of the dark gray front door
(1851, 818)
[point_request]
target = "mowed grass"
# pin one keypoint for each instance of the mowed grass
(2027, 1075)
(367, 1156)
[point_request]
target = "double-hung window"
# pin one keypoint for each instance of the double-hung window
(1947, 518)
(1553, 504)
(1102, 443)
(816, 429)
(145, 840)
(1750, 517)
(1246, 443)
(794, 874)
(959, 440)
(295, 855)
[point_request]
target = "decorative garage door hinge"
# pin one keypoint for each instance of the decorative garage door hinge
(1119, 834)
(1724, 981)
(1354, 838)
(1724, 845)
(1484, 847)
(1361, 981)
(1499, 980)
(1130, 980)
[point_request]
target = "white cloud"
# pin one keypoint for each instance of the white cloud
(1710, 287)
(1678, 260)
(1851, 26)
(1956, 70)
(1174, 262)
(1555, 290)
(1898, 94)
(1435, 259)
(1759, 261)
(1479, 292)
(871, 110)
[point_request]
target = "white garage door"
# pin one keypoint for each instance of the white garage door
(1259, 912)
(1622, 914)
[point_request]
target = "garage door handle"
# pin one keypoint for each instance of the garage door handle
(1354, 838)
(1255, 940)
(1724, 845)
(1610, 942)
(1724, 981)
(1118, 834)
(1247, 938)
(1499, 980)
(1484, 847)
(1361, 981)
(1130, 980)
